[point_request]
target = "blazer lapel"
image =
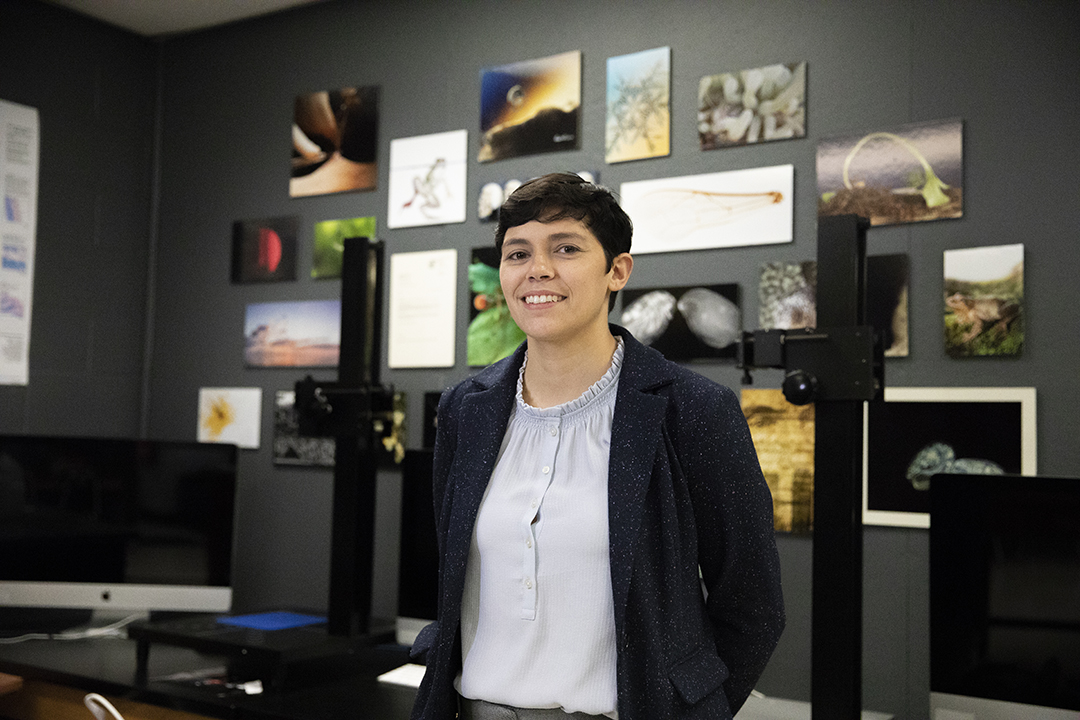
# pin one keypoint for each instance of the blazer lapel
(635, 436)
(484, 415)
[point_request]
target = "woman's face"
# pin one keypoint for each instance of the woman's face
(556, 280)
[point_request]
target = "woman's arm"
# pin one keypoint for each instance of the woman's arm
(736, 543)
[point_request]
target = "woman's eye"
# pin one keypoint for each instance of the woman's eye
(568, 249)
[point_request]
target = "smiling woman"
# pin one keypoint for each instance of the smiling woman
(575, 518)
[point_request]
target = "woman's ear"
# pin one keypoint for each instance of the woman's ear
(621, 267)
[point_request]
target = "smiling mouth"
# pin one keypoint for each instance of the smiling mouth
(538, 299)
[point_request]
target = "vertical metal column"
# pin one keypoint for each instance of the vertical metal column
(836, 629)
(355, 463)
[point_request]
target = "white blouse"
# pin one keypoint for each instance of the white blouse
(537, 617)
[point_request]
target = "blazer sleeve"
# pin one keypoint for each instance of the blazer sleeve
(736, 543)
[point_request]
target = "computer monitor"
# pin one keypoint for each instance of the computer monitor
(115, 524)
(1004, 597)
(418, 564)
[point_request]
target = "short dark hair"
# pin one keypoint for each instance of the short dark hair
(565, 195)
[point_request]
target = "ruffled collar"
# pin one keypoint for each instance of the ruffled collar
(597, 389)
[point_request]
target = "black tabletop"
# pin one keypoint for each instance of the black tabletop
(344, 687)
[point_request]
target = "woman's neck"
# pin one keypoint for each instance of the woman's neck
(558, 374)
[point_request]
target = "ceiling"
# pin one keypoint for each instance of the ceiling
(158, 18)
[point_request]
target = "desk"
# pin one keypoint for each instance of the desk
(107, 666)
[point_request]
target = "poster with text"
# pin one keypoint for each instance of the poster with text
(423, 305)
(19, 160)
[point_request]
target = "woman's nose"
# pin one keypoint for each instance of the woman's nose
(540, 266)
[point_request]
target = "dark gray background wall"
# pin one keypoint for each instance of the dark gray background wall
(1008, 69)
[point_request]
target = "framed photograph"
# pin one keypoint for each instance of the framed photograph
(686, 322)
(492, 333)
(783, 436)
(910, 173)
(264, 250)
(530, 107)
(638, 105)
(752, 106)
(715, 210)
(984, 301)
(230, 415)
(334, 141)
(306, 333)
(329, 247)
(427, 180)
(290, 448)
(917, 432)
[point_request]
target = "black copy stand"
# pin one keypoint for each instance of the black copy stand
(838, 366)
(356, 410)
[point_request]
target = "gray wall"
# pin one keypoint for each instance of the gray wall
(1008, 69)
(94, 88)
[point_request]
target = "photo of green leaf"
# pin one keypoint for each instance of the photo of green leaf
(330, 243)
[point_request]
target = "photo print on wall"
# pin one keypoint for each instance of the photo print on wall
(334, 141)
(530, 107)
(264, 250)
(291, 448)
(492, 333)
(752, 106)
(305, 333)
(783, 436)
(787, 295)
(787, 298)
(230, 415)
(715, 210)
(918, 432)
(427, 179)
(691, 322)
(329, 244)
(911, 173)
(494, 194)
(984, 301)
(638, 105)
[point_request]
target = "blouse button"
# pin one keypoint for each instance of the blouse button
(547, 469)
(554, 431)
(528, 584)
(528, 542)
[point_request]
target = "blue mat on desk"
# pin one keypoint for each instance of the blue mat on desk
(271, 620)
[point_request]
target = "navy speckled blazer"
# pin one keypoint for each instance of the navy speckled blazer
(684, 490)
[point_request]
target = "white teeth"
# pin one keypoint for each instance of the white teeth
(536, 299)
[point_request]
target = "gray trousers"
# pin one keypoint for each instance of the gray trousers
(482, 710)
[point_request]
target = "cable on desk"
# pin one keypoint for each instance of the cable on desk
(113, 630)
(101, 708)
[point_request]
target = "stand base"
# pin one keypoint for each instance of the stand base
(277, 657)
